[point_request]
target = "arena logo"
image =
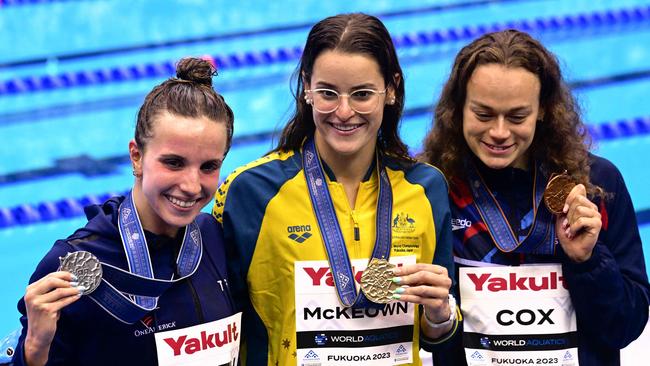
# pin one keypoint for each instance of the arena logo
(299, 233)
(514, 282)
(184, 345)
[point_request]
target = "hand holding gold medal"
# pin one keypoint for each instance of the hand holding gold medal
(578, 221)
(427, 285)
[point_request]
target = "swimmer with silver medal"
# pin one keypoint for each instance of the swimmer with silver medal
(85, 266)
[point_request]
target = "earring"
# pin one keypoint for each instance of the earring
(308, 100)
(136, 174)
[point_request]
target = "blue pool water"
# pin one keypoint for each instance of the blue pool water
(49, 136)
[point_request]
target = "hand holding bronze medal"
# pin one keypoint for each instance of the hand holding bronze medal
(376, 281)
(556, 192)
(85, 266)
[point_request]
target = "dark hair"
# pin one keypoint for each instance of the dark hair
(561, 141)
(189, 94)
(356, 34)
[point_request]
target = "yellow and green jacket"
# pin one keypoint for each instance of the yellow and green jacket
(268, 223)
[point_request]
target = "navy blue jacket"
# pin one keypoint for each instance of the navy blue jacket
(88, 335)
(610, 291)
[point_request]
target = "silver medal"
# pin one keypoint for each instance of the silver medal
(85, 266)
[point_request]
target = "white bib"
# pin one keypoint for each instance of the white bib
(517, 316)
(328, 334)
(214, 343)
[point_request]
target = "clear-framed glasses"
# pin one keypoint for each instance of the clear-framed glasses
(362, 101)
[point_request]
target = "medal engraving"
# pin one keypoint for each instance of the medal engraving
(85, 266)
(376, 281)
(556, 192)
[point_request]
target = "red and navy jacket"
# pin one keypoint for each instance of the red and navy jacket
(88, 335)
(610, 291)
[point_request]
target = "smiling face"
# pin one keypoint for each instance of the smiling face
(344, 133)
(178, 171)
(500, 115)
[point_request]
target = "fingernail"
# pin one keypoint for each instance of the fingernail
(565, 223)
(397, 279)
(565, 209)
(74, 284)
(74, 277)
(81, 289)
(396, 296)
(399, 290)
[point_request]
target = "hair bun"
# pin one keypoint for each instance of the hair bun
(196, 70)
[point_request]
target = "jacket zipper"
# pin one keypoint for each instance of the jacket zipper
(197, 303)
(357, 233)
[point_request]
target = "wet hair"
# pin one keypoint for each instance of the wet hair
(354, 34)
(189, 94)
(561, 140)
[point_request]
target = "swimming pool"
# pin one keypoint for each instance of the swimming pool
(72, 74)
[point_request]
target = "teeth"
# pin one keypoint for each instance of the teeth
(345, 127)
(498, 147)
(181, 203)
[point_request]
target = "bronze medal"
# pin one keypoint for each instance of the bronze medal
(85, 266)
(377, 281)
(556, 192)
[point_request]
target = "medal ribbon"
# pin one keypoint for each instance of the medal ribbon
(331, 231)
(129, 295)
(541, 236)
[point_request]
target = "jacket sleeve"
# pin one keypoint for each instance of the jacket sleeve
(437, 193)
(448, 349)
(240, 216)
(610, 290)
(62, 347)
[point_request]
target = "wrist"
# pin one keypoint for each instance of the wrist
(445, 322)
(36, 352)
(580, 257)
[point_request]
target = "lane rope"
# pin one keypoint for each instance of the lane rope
(163, 69)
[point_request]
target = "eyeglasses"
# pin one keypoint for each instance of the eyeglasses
(362, 101)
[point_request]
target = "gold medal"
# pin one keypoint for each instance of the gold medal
(556, 192)
(377, 281)
(85, 266)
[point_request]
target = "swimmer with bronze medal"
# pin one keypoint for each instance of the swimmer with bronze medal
(376, 281)
(556, 192)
